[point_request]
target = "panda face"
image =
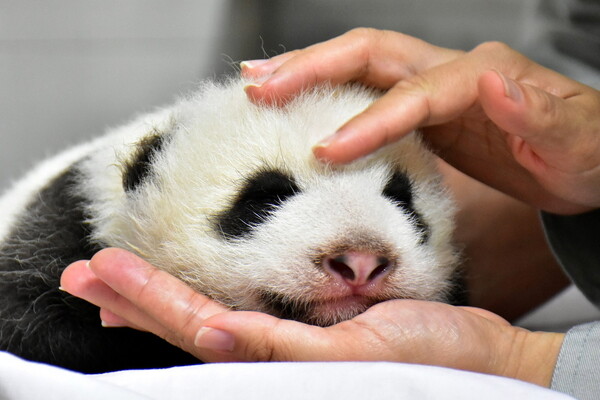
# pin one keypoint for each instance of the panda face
(228, 197)
(322, 251)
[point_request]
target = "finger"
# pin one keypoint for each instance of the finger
(433, 97)
(373, 57)
(176, 309)
(252, 336)
(539, 120)
(554, 137)
(80, 281)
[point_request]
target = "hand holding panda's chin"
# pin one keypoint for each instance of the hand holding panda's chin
(133, 293)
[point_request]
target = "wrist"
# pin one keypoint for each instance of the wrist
(532, 356)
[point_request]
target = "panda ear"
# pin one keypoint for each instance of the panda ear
(399, 190)
(139, 166)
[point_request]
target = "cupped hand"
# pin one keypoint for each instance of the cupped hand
(132, 293)
(491, 112)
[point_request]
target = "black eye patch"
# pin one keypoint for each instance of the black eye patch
(261, 194)
(399, 190)
(138, 168)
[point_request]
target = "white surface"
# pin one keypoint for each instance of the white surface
(348, 381)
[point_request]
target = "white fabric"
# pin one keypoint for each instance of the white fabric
(26, 380)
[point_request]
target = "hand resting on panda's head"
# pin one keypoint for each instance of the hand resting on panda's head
(133, 293)
(490, 112)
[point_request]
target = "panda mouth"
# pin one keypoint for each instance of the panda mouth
(322, 312)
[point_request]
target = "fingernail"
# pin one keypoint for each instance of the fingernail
(250, 64)
(108, 319)
(336, 137)
(62, 289)
(111, 325)
(511, 88)
(323, 144)
(214, 339)
(256, 83)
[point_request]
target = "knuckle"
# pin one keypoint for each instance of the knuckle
(493, 47)
(148, 287)
(270, 346)
(191, 314)
(416, 84)
(363, 33)
(546, 113)
(365, 38)
(546, 103)
(259, 352)
(418, 89)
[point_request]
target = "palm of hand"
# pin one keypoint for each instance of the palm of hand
(417, 331)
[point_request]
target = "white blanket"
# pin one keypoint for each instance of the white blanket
(20, 380)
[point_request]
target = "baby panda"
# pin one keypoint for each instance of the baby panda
(227, 196)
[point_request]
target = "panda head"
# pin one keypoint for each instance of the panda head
(228, 196)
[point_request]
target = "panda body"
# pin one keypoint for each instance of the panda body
(227, 196)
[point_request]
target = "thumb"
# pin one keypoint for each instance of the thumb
(254, 336)
(544, 132)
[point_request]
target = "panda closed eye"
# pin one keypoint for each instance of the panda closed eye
(262, 193)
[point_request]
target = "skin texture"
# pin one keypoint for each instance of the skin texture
(491, 113)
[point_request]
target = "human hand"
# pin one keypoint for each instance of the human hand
(142, 296)
(133, 293)
(491, 112)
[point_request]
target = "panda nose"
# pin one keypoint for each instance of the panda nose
(356, 268)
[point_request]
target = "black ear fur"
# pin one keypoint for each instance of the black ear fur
(399, 190)
(139, 166)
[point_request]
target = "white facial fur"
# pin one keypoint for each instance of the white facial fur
(216, 140)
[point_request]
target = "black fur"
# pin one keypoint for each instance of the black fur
(139, 167)
(399, 190)
(262, 194)
(41, 323)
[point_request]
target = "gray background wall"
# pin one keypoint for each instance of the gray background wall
(70, 68)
